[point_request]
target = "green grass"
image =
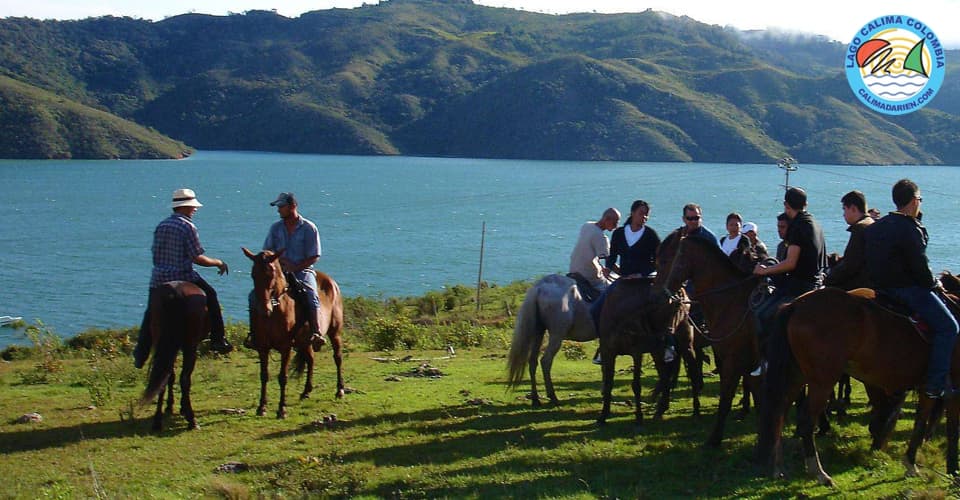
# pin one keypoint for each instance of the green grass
(461, 435)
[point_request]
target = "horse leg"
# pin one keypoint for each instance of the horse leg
(158, 415)
(744, 403)
(728, 388)
(665, 371)
(169, 409)
(308, 384)
(546, 362)
(953, 434)
(264, 378)
(534, 353)
(186, 408)
(695, 375)
(924, 409)
(607, 369)
(883, 416)
(815, 403)
(337, 344)
(282, 378)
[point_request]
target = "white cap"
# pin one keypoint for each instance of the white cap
(749, 226)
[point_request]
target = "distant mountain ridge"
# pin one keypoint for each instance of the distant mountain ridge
(450, 78)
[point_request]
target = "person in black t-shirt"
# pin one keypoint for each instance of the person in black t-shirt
(806, 249)
(802, 268)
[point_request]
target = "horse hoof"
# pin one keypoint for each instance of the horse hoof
(340, 393)
(911, 468)
(825, 480)
(194, 426)
(261, 412)
(536, 403)
(305, 395)
(282, 414)
(601, 422)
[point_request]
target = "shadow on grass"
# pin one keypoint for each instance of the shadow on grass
(57, 437)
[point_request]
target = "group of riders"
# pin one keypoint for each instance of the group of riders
(885, 253)
(176, 248)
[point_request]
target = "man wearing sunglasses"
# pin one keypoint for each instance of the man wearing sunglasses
(693, 224)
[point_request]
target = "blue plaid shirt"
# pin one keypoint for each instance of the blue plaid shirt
(176, 243)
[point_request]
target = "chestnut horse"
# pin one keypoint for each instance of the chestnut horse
(723, 290)
(636, 319)
(277, 326)
(179, 321)
(828, 331)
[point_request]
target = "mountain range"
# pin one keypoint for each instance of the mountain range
(448, 78)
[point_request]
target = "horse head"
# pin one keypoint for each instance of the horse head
(672, 269)
(268, 280)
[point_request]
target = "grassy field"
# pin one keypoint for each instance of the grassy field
(460, 435)
(398, 434)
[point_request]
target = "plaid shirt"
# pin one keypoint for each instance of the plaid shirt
(176, 243)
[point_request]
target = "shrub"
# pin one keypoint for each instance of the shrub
(573, 351)
(385, 334)
(46, 345)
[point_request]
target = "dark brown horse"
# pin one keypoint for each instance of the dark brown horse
(179, 321)
(637, 319)
(277, 326)
(723, 291)
(826, 332)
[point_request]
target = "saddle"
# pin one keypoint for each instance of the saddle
(587, 291)
(894, 305)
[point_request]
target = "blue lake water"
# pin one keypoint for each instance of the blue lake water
(76, 235)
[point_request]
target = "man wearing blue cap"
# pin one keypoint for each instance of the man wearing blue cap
(300, 240)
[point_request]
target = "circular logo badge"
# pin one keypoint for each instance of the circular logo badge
(895, 64)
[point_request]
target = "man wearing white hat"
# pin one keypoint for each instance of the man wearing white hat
(176, 248)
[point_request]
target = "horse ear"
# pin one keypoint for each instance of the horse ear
(250, 255)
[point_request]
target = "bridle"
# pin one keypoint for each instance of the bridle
(718, 289)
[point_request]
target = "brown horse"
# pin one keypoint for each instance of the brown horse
(277, 326)
(179, 321)
(723, 290)
(828, 331)
(636, 319)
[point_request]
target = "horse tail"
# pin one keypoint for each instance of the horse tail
(168, 343)
(781, 369)
(527, 336)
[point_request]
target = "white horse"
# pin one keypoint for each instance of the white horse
(552, 304)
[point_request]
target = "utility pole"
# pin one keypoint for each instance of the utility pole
(483, 235)
(788, 164)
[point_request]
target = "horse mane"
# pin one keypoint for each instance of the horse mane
(716, 254)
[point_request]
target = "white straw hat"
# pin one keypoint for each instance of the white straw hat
(185, 198)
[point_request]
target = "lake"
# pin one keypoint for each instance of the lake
(75, 251)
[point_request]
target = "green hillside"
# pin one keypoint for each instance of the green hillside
(38, 124)
(447, 77)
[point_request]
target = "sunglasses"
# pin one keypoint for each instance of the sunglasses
(692, 218)
(920, 198)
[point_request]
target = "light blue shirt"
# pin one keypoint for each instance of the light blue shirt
(302, 244)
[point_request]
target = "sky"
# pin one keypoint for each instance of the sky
(836, 19)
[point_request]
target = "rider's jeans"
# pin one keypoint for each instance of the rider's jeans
(943, 331)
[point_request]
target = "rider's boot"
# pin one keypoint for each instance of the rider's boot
(316, 337)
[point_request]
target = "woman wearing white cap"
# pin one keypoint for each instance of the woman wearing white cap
(176, 248)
